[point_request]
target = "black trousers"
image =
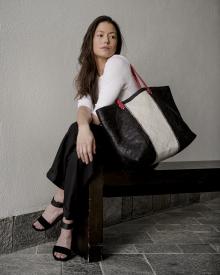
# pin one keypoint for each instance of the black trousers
(73, 176)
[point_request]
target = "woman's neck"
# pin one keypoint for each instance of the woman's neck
(100, 63)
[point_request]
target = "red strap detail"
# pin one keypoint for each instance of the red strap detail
(136, 75)
(120, 104)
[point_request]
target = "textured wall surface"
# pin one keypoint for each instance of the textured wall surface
(170, 42)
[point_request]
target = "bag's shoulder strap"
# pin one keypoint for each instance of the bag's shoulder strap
(136, 76)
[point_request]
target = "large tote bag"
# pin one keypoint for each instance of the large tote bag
(147, 127)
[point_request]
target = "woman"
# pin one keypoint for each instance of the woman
(104, 76)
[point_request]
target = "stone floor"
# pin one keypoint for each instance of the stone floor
(181, 240)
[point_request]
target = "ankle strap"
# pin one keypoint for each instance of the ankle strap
(66, 225)
(56, 203)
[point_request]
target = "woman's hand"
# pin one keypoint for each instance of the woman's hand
(85, 144)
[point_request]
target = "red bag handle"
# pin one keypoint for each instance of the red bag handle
(135, 76)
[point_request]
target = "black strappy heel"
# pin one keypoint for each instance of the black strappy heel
(44, 222)
(64, 250)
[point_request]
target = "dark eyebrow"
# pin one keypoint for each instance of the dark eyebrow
(103, 31)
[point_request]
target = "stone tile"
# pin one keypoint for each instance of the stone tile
(185, 227)
(157, 248)
(6, 227)
(194, 197)
(215, 246)
(23, 233)
(207, 213)
(119, 249)
(211, 215)
(148, 219)
(189, 213)
(126, 211)
(196, 248)
(112, 210)
(187, 230)
(209, 220)
(217, 227)
(179, 199)
(217, 197)
(29, 250)
(141, 205)
(204, 196)
(174, 219)
(78, 266)
(209, 237)
(46, 248)
(129, 227)
(213, 201)
(195, 207)
(125, 264)
(182, 209)
(213, 205)
(126, 238)
(174, 237)
(161, 201)
(180, 214)
(189, 264)
(29, 264)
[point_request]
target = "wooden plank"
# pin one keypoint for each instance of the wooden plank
(95, 220)
(169, 179)
(173, 165)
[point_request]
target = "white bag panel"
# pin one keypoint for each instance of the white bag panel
(152, 120)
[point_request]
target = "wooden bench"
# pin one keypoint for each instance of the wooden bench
(166, 178)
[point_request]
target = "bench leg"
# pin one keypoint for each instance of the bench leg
(89, 232)
(95, 219)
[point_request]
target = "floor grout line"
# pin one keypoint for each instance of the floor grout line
(100, 265)
(147, 261)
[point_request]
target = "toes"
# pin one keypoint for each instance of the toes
(59, 255)
(38, 225)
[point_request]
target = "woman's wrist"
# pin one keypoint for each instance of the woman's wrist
(83, 126)
(84, 117)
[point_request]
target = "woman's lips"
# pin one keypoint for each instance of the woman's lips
(105, 48)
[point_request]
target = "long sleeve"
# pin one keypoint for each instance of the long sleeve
(113, 80)
(85, 101)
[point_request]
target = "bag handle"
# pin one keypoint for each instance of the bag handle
(136, 76)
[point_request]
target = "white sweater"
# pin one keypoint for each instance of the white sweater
(115, 82)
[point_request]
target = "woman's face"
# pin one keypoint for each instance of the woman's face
(105, 40)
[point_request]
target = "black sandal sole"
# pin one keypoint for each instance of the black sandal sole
(70, 253)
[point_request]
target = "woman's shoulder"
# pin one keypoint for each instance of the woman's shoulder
(118, 59)
(117, 63)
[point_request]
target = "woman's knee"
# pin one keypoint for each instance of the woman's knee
(73, 126)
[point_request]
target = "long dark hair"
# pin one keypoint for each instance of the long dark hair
(85, 81)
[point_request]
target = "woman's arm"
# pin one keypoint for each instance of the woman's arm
(114, 79)
(85, 143)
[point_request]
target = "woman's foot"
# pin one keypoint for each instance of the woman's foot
(64, 240)
(51, 213)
